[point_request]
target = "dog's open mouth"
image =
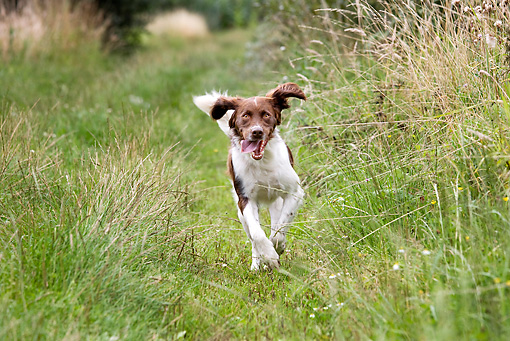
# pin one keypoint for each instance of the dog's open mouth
(256, 148)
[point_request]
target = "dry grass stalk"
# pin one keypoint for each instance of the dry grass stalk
(42, 26)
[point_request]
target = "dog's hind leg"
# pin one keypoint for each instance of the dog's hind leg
(277, 230)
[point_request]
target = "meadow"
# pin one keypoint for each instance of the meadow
(116, 215)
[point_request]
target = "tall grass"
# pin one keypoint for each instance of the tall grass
(49, 25)
(75, 235)
(116, 219)
(406, 159)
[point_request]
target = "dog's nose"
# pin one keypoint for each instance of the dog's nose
(257, 133)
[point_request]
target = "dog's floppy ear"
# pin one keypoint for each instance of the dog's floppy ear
(282, 92)
(222, 105)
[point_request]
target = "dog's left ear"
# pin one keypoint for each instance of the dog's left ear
(282, 92)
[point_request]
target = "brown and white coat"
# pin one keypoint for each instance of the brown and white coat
(260, 165)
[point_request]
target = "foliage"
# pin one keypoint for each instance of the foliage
(407, 160)
(118, 24)
(125, 21)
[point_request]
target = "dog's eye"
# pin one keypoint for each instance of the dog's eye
(267, 115)
(245, 116)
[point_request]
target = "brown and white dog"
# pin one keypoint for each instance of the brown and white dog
(260, 165)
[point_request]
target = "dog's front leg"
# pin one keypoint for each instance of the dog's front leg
(262, 249)
(283, 211)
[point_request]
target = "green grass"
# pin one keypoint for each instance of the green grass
(116, 216)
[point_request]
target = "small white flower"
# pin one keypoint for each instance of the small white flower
(315, 309)
(396, 266)
(340, 304)
(426, 252)
(401, 251)
(283, 48)
(332, 276)
(498, 23)
(312, 316)
(491, 41)
(326, 308)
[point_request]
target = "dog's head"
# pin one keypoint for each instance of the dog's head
(255, 119)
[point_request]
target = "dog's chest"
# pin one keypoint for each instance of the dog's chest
(267, 179)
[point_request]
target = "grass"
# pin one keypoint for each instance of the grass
(117, 220)
(117, 217)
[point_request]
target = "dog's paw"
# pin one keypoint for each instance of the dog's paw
(265, 254)
(264, 264)
(255, 263)
(272, 263)
(271, 258)
(278, 243)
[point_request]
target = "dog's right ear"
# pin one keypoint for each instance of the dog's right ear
(222, 105)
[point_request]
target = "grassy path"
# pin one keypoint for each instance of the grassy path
(90, 246)
(116, 219)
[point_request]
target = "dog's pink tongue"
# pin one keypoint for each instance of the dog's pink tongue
(248, 146)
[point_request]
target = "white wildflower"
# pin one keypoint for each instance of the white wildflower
(426, 252)
(396, 266)
(491, 41)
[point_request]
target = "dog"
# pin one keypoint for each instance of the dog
(260, 165)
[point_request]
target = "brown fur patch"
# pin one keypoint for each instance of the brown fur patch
(291, 158)
(238, 186)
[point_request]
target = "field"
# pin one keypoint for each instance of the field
(116, 215)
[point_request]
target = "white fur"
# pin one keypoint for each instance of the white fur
(205, 104)
(270, 181)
